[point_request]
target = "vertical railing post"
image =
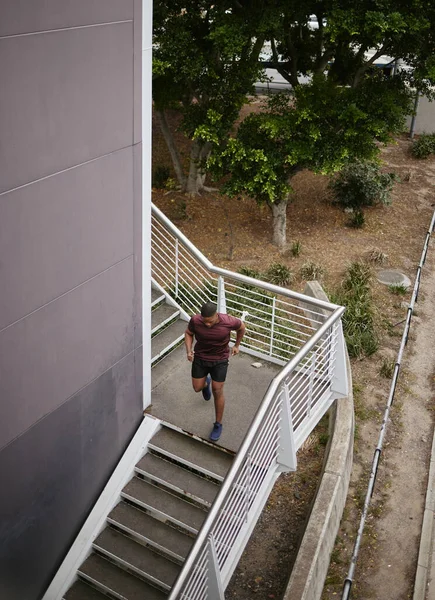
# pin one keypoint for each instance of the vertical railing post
(176, 268)
(272, 328)
(286, 440)
(312, 370)
(221, 300)
(340, 381)
(248, 486)
(215, 587)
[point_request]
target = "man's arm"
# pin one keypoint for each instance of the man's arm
(240, 332)
(188, 342)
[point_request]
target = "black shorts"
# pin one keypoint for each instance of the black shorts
(217, 369)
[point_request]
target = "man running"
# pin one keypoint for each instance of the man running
(209, 360)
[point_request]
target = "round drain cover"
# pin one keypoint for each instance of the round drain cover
(392, 277)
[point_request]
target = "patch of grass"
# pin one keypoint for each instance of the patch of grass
(357, 220)
(387, 368)
(278, 274)
(376, 257)
(311, 270)
(358, 320)
(398, 289)
(296, 248)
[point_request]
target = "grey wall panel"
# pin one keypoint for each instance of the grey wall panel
(137, 243)
(138, 355)
(64, 462)
(62, 230)
(25, 16)
(137, 72)
(57, 350)
(66, 97)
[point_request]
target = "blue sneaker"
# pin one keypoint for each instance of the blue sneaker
(216, 432)
(206, 391)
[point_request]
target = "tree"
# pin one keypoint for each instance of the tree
(205, 63)
(348, 36)
(321, 127)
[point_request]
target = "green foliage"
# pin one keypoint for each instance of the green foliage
(361, 183)
(311, 271)
(205, 62)
(424, 146)
(296, 248)
(160, 176)
(344, 33)
(357, 219)
(358, 320)
(322, 128)
(278, 274)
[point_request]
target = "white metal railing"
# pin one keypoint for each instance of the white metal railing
(291, 329)
(278, 321)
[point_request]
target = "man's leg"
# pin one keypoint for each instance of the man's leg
(198, 384)
(219, 399)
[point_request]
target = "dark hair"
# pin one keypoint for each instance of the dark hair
(208, 309)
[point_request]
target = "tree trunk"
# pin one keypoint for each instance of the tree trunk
(198, 155)
(169, 139)
(193, 180)
(279, 214)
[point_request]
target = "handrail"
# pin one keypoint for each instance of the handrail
(270, 287)
(248, 439)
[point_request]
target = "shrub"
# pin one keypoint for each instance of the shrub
(362, 183)
(424, 146)
(160, 176)
(278, 274)
(310, 270)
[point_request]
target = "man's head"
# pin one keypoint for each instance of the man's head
(209, 314)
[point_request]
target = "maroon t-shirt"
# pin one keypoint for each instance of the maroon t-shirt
(212, 342)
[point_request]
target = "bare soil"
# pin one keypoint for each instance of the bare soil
(235, 232)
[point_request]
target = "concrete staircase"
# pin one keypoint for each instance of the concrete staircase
(148, 534)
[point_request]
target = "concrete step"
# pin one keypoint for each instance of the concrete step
(169, 337)
(82, 591)
(204, 458)
(177, 479)
(156, 297)
(137, 558)
(162, 315)
(148, 530)
(166, 506)
(116, 582)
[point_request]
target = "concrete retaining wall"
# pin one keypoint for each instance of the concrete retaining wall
(312, 563)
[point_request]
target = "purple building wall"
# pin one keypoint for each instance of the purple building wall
(70, 270)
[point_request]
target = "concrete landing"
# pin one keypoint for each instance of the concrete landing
(173, 399)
